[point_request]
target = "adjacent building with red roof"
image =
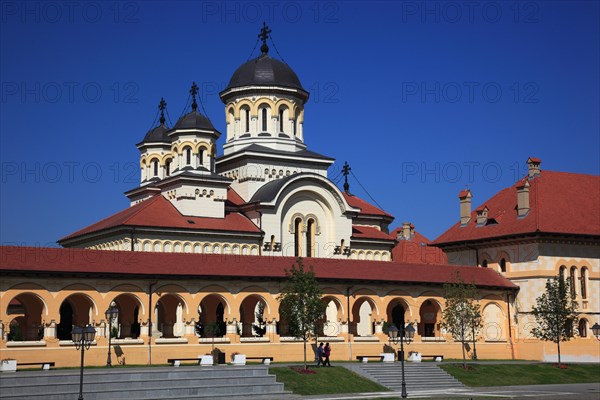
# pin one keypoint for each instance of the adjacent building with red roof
(546, 224)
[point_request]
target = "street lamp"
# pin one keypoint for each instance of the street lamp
(111, 313)
(83, 338)
(405, 336)
(596, 330)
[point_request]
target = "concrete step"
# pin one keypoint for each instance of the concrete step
(59, 387)
(144, 383)
(166, 393)
(125, 375)
(417, 376)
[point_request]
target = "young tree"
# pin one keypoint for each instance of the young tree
(462, 314)
(212, 330)
(556, 313)
(300, 303)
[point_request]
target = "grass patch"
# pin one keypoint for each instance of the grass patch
(523, 374)
(325, 381)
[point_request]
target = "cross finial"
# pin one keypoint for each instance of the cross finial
(346, 170)
(194, 92)
(264, 35)
(161, 106)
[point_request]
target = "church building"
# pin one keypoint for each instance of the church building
(207, 239)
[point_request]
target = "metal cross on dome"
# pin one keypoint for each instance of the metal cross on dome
(161, 106)
(194, 92)
(346, 170)
(264, 35)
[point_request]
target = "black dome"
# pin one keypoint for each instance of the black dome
(194, 120)
(158, 134)
(265, 71)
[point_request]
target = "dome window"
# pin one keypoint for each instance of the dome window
(155, 166)
(188, 156)
(264, 119)
(281, 120)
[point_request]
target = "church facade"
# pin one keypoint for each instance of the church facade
(206, 242)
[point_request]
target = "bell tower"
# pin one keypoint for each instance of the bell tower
(264, 110)
(264, 104)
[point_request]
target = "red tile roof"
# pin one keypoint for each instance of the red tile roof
(416, 250)
(368, 232)
(159, 212)
(560, 203)
(23, 260)
(365, 207)
(234, 198)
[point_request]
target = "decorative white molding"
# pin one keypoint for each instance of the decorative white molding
(170, 340)
(28, 343)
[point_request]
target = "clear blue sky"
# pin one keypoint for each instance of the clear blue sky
(420, 98)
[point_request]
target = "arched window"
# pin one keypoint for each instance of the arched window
(201, 157)
(310, 237)
(572, 280)
(188, 156)
(562, 271)
(295, 127)
(155, 165)
(298, 237)
(247, 113)
(281, 120)
(484, 264)
(582, 327)
(503, 265)
(264, 119)
(584, 276)
(168, 168)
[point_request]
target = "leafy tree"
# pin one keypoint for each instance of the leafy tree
(260, 328)
(462, 314)
(300, 303)
(212, 330)
(14, 333)
(556, 313)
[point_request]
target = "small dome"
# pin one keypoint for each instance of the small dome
(194, 120)
(265, 71)
(158, 134)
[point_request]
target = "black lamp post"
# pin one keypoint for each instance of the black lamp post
(111, 313)
(405, 336)
(83, 338)
(596, 330)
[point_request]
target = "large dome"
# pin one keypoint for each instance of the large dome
(265, 71)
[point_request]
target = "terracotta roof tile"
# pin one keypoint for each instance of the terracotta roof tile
(368, 232)
(234, 198)
(159, 212)
(416, 250)
(81, 261)
(365, 207)
(560, 203)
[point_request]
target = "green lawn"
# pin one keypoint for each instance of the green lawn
(523, 374)
(325, 381)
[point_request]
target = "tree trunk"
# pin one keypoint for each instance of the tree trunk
(558, 347)
(463, 348)
(305, 366)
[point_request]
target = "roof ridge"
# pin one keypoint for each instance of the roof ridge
(148, 201)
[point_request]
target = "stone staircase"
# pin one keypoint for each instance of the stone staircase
(418, 376)
(159, 383)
